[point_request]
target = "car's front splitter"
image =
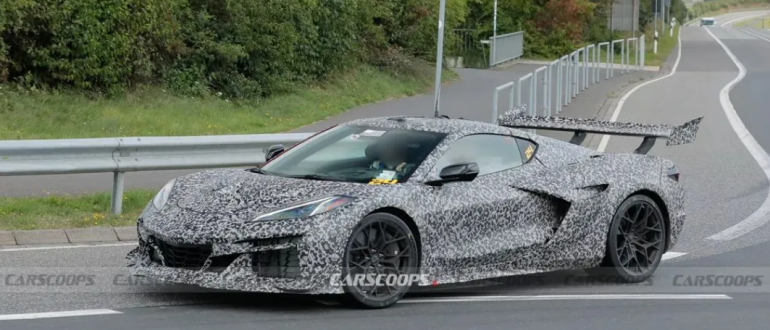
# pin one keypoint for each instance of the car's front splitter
(242, 274)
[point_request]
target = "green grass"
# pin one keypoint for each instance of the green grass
(68, 211)
(759, 23)
(153, 112)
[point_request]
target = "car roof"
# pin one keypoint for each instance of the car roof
(435, 124)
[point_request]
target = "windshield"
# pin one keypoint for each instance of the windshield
(357, 154)
(707, 22)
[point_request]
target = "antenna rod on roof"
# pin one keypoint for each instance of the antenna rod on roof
(439, 56)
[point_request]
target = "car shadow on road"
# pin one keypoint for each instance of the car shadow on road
(561, 282)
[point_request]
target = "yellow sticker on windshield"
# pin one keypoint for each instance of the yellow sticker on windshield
(529, 151)
(383, 181)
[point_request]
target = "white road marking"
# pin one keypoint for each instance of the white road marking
(754, 35)
(62, 247)
(570, 297)
(32, 316)
(672, 255)
(606, 138)
(760, 216)
(743, 18)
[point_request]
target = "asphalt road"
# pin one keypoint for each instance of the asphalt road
(724, 184)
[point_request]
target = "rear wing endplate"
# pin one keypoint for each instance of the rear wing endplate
(675, 135)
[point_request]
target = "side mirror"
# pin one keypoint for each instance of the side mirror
(273, 151)
(457, 172)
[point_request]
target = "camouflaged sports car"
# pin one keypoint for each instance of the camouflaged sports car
(418, 201)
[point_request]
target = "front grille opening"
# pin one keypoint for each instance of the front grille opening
(261, 242)
(282, 263)
(187, 256)
(220, 263)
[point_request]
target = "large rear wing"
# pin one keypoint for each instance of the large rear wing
(675, 135)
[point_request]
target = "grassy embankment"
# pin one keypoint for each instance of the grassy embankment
(758, 22)
(152, 112)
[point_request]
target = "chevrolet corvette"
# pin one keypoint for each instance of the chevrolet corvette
(398, 202)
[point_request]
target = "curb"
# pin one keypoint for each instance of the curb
(68, 236)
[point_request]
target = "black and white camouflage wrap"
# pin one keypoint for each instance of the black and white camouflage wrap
(505, 223)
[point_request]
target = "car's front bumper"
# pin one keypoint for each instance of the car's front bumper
(301, 262)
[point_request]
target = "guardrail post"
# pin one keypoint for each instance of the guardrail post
(559, 79)
(496, 98)
(596, 65)
(547, 88)
(533, 88)
(608, 71)
(567, 77)
(510, 95)
(118, 181)
(641, 52)
(599, 60)
(576, 75)
(622, 56)
(585, 68)
(612, 51)
(494, 106)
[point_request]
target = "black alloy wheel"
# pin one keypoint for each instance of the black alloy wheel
(636, 240)
(381, 244)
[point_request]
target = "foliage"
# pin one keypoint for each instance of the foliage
(712, 6)
(247, 49)
(241, 48)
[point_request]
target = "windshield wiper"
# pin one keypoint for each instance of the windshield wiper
(258, 171)
(312, 177)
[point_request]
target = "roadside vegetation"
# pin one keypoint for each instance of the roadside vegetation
(717, 7)
(70, 211)
(759, 23)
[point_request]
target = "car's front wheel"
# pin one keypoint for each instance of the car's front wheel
(636, 241)
(379, 263)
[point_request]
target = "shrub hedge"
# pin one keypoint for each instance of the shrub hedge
(256, 48)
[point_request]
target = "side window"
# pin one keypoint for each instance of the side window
(527, 148)
(493, 153)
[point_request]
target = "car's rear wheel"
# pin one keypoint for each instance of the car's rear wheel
(381, 244)
(636, 241)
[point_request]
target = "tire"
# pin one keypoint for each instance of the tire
(401, 253)
(634, 252)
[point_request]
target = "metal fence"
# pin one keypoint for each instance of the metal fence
(563, 79)
(130, 154)
(506, 47)
(465, 50)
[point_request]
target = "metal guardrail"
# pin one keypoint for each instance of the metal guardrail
(569, 75)
(506, 47)
(131, 154)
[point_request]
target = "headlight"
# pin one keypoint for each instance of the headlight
(162, 197)
(307, 209)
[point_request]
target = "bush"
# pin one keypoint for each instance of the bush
(258, 48)
(86, 43)
(241, 48)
